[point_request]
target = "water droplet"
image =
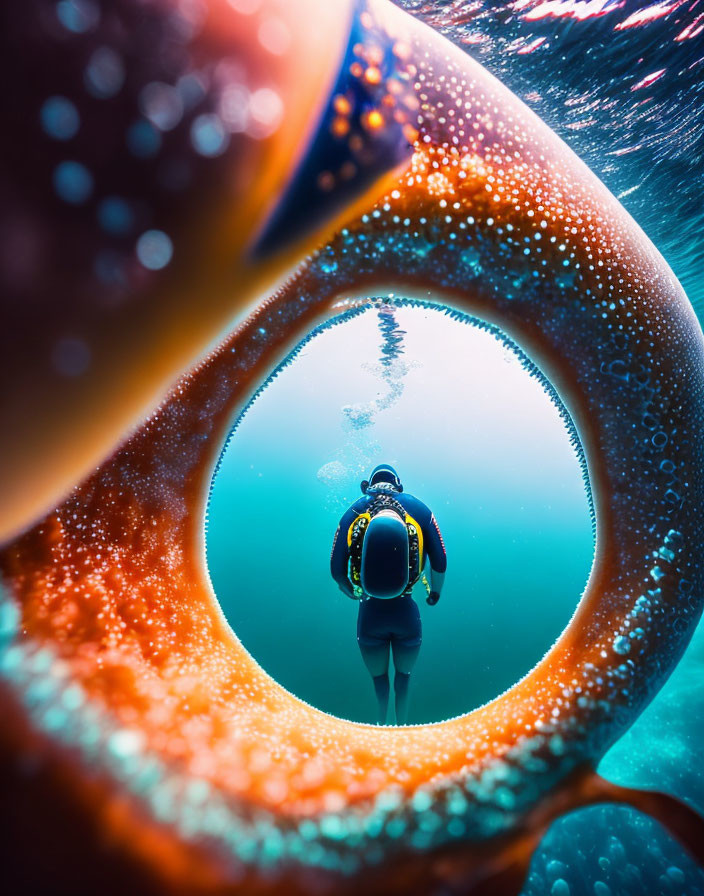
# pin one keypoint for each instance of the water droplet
(676, 874)
(621, 645)
(656, 573)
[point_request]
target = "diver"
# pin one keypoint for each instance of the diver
(379, 552)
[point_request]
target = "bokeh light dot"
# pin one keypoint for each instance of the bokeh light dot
(60, 118)
(143, 139)
(266, 109)
(78, 16)
(234, 107)
(162, 105)
(208, 136)
(274, 35)
(71, 356)
(105, 73)
(73, 182)
(245, 7)
(115, 215)
(154, 249)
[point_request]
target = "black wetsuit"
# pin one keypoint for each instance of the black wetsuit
(396, 619)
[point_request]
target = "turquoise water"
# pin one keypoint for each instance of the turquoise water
(472, 435)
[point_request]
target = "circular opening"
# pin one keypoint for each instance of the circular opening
(476, 433)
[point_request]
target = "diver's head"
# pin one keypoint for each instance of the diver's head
(383, 477)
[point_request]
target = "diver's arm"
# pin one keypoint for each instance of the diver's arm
(435, 548)
(436, 580)
(339, 556)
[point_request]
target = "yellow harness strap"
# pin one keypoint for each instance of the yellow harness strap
(419, 532)
(361, 516)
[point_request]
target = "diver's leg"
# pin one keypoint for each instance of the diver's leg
(401, 682)
(374, 647)
(376, 659)
(382, 690)
(406, 647)
(405, 656)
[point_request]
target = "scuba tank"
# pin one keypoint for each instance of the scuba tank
(386, 549)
